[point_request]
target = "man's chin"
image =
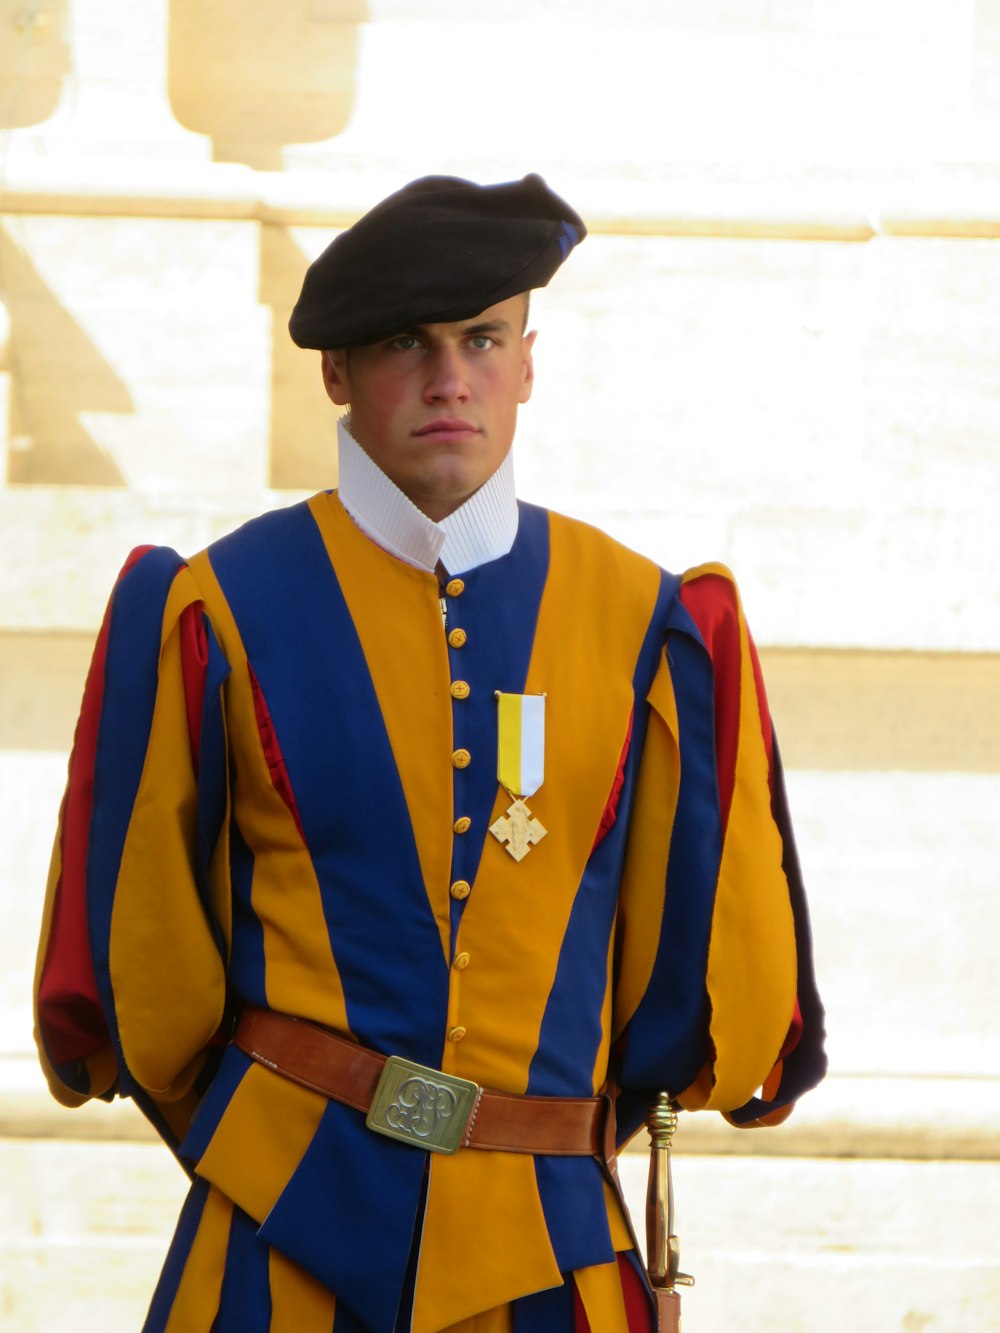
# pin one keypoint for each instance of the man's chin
(443, 495)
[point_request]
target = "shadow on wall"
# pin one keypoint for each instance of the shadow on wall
(34, 61)
(303, 437)
(58, 374)
(257, 77)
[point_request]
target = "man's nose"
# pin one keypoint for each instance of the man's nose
(446, 379)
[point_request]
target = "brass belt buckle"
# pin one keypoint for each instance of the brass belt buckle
(421, 1106)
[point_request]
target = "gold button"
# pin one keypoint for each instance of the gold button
(462, 961)
(462, 824)
(461, 889)
(457, 638)
(461, 758)
(454, 587)
(460, 689)
(456, 1033)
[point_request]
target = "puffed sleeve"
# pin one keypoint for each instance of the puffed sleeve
(130, 980)
(716, 999)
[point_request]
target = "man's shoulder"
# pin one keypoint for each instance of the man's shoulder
(711, 573)
(263, 531)
(587, 541)
(586, 547)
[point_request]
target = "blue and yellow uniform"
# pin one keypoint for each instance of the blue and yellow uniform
(280, 795)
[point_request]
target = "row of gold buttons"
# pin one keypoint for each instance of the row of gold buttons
(461, 889)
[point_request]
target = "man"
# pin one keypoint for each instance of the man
(537, 854)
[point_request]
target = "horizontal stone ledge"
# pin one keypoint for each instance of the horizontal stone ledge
(781, 557)
(837, 710)
(943, 1119)
(233, 191)
(866, 1116)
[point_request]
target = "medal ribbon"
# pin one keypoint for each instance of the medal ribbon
(521, 742)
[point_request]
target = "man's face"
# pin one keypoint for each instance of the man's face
(435, 406)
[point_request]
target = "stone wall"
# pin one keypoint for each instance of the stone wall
(778, 348)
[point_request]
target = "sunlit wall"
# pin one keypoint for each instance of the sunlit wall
(778, 348)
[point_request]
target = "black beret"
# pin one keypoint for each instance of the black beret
(439, 249)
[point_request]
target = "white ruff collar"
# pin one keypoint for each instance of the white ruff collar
(480, 530)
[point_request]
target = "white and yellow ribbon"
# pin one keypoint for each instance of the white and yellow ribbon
(521, 742)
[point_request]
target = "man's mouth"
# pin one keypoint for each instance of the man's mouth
(448, 426)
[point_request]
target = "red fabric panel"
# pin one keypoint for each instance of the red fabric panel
(765, 712)
(640, 1319)
(794, 1033)
(710, 602)
(772, 1084)
(69, 1006)
(581, 1324)
(194, 663)
(636, 1300)
(272, 751)
(611, 809)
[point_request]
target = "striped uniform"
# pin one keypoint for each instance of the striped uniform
(268, 804)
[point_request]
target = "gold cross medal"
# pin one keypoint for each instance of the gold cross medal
(520, 769)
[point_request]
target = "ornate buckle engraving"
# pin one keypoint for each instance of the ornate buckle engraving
(421, 1106)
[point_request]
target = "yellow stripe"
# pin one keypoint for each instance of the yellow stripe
(509, 710)
(301, 976)
(183, 593)
(640, 910)
(261, 1139)
(490, 1321)
(751, 959)
(405, 652)
(599, 1072)
(502, 1037)
(170, 1004)
(621, 1235)
(491, 1198)
(196, 1302)
(299, 1303)
(600, 1291)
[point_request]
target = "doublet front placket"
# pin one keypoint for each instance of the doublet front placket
(464, 755)
(465, 752)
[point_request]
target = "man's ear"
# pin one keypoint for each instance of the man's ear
(527, 366)
(335, 378)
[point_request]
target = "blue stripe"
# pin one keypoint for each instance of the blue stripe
(212, 775)
(294, 621)
(804, 1067)
(333, 1220)
(496, 656)
(177, 1257)
(570, 1033)
(549, 1311)
(572, 1193)
(667, 1037)
(245, 1299)
(344, 1321)
(247, 969)
(214, 1104)
(130, 682)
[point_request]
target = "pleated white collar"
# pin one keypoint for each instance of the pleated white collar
(480, 530)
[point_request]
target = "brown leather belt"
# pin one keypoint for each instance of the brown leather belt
(417, 1104)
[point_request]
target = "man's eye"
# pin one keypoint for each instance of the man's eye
(481, 341)
(404, 343)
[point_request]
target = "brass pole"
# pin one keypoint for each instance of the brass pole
(662, 1245)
